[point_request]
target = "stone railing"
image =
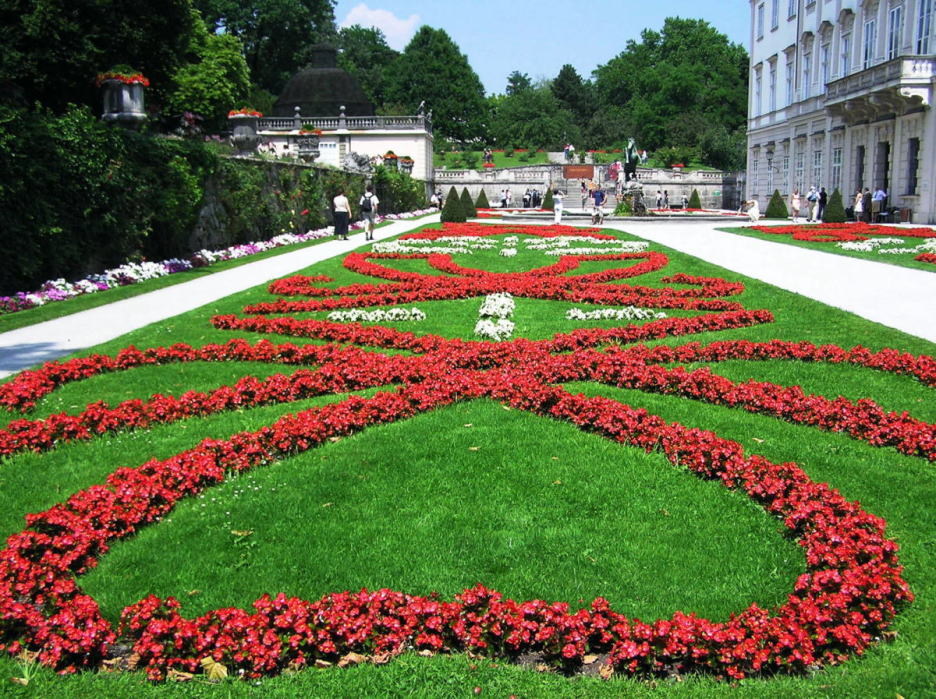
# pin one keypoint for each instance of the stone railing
(419, 122)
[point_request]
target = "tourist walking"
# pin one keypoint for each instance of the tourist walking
(823, 200)
(866, 206)
(753, 210)
(795, 204)
(812, 199)
(508, 197)
(557, 206)
(858, 205)
(659, 199)
(342, 213)
(685, 201)
(665, 199)
(368, 204)
(598, 199)
(584, 193)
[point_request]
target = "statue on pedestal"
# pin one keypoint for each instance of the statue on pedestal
(631, 158)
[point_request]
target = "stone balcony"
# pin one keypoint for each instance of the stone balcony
(893, 87)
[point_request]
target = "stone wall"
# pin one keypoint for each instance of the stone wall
(717, 189)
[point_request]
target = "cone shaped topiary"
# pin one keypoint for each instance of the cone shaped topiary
(835, 209)
(482, 202)
(468, 204)
(695, 202)
(777, 207)
(548, 202)
(452, 211)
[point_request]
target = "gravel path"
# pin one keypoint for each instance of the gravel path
(894, 296)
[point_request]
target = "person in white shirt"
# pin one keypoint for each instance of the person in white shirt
(368, 204)
(342, 215)
(557, 206)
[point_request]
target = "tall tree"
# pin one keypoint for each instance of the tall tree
(276, 34)
(687, 71)
(574, 94)
(532, 117)
(53, 49)
(434, 70)
(215, 81)
(518, 82)
(365, 54)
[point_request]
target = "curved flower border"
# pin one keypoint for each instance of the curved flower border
(849, 594)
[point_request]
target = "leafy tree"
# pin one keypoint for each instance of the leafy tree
(532, 117)
(276, 34)
(835, 210)
(575, 95)
(216, 82)
(468, 204)
(452, 211)
(433, 69)
(688, 72)
(518, 82)
(363, 52)
(777, 207)
(482, 202)
(53, 49)
(549, 203)
(695, 201)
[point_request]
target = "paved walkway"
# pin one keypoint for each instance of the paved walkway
(22, 348)
(894, 296)
(897, 297)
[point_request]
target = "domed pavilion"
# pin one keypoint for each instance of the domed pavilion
(322, 89)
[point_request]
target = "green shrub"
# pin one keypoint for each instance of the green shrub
(623, 208)
(467, 204)
(835, 209)
(508, 153)
(524, 157)
(548, 202)
(482, 202)
(452, 211)
(777, 207)
(470, 159)
(695, 202)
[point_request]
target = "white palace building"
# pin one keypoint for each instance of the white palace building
(841, 96)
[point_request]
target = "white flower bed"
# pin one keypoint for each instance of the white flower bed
(508, 252)
(868, 245)
(494, 322)
(626, 313)
(496, 330)
(358, 315)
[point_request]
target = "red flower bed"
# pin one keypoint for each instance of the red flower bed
(926, 257)
(840, 232)
(846, 598)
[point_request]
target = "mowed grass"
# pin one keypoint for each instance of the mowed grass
(476, 493)
(902, 259)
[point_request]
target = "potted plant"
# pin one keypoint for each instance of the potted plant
(123, 95)
(390, 159)
(245, 136)
(406, 164)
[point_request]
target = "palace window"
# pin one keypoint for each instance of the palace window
(772, 94)
(817, 168)
(760, 21)
(846, 54)
(774, 14)
(786, 171)
(895, 32)
(824, 53)
(924, 26)
(869, 38)
(836, 169)
(800, 171)
(790, 81)
(791, 9)
(757, 92)
(807, 69)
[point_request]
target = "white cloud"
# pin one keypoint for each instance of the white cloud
(398, 31)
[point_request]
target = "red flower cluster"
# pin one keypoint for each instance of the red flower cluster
(840, 232)
(244, 112)
(926, 257)
(125, 78)
(848, 596)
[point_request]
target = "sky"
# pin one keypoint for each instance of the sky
(537, 37)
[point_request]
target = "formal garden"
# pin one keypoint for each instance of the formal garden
(513, 460)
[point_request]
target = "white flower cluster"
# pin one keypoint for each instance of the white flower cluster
(569, 245)
(626, 313)
(359, 315)
(868, 245)
(928, 245)
(508, 252)
(447, 245)
(494, 323)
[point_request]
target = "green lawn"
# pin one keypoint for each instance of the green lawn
(903, 259)
(477, 493)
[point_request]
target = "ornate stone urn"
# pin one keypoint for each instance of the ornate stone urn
(123, 98)
(245, 136)
(308, 145)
